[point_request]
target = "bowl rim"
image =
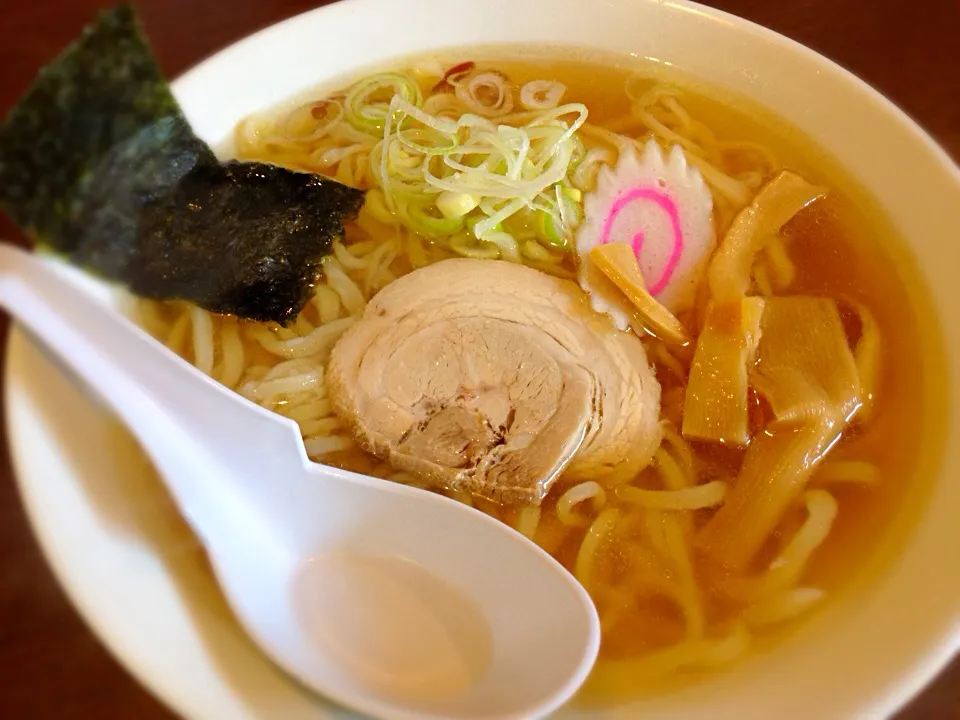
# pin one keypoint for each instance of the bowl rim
(938, 653)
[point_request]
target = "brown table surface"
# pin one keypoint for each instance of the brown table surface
(51, 666)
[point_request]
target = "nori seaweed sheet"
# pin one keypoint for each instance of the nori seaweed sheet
(98, 163)
(102, 230)
(261, 258)
(103, 96)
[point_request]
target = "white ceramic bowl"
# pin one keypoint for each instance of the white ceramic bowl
(138, 577)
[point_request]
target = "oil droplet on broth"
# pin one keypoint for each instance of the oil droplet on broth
(397, 629)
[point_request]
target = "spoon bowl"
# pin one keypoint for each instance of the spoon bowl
(394, 601)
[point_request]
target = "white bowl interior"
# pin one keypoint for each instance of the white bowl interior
(138, 577)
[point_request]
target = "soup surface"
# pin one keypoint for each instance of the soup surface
(669, 604)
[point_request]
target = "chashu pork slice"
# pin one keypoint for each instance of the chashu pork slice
(494, 378)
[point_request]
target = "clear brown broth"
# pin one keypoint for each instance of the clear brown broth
(843, 247)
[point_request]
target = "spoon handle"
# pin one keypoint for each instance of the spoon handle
(176, 412)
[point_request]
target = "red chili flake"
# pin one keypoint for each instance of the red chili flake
(455, 73)
(319, 110)
(461, 69)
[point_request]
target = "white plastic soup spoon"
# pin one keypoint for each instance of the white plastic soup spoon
(391, 600)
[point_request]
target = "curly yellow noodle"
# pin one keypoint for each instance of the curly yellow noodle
(688, 125)
(859, 472)
(318, 341)
(253, 374)
(310, 410)
(616, 604)
(785, 606)
(301, 325)
(615, 678)
(698, 497)
(787, 568)
(680, 555)
(671, 542)
(576, 495)
(150, 316)
(761, 279)
(320, 426)
(377, 273)
(202, 337)
(349, 292)
(681, 452)
(728, 187)
(327, 303)
(318, 447)
(179, 333)
(348, 259)
(662, 356)
(415, 251)
(680, 476)
(233, 357)
(527, 520)
(674, 477)
(780, 268)
(767, 160)
(630, 547)
(268, 391)
(867, 356)
(589, 548)
(665, 133)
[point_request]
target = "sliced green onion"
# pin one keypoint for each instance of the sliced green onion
(509, 249)
(471, 172)
(331, 156)
(555, 227)
(487, 224)
(423, 216)
(468, 246)
(558, 112)
(529, 171)
(535, 251)
(523, 224)
(456, 205)
(548, 232)
(368, 114)
(542, 94)
(428, 141)
(468, 91)
(578, 154)
(570, 207)
(375, 204)
(474, 218)
(304, 125)
(442, 125)
(401, 159)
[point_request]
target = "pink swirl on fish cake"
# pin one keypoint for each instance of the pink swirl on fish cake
(665, 203)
